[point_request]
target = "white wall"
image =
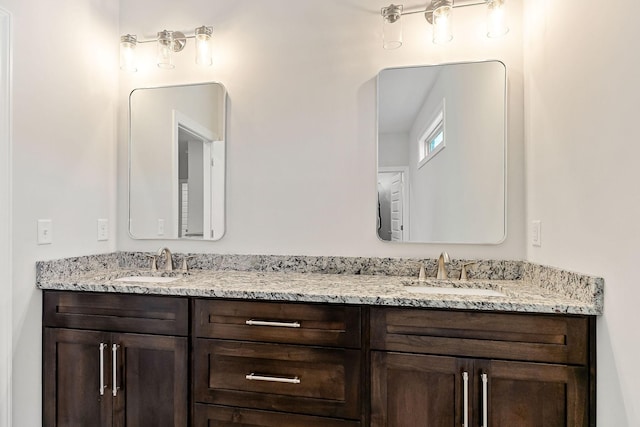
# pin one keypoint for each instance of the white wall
(393, 149)
(301, 79)
(5, 219)
(64, 121)
(582, 92)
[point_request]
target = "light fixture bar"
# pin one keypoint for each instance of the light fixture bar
(454, 6)
(168, 42)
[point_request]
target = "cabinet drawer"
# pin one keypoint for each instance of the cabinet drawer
(539, 338)
(118, 313)
(288, 323)
(221, 416)
(306, 380)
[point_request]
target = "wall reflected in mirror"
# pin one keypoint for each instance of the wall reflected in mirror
(177, 162)
(442, 153)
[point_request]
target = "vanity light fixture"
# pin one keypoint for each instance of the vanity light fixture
(167, 43)
(439, 13)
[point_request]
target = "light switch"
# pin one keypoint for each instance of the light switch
(103, 230)
(45, 232)
(160, 227)
(536, 233)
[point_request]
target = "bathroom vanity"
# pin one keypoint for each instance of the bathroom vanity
(269, 348)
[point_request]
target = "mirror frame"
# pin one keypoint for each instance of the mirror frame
(129, 150)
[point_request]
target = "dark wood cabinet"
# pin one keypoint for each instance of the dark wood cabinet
(437, 368)
(284, 364)
(72, 372)
(534, 395)
(416, 390)
(134, 360)
(106, 378)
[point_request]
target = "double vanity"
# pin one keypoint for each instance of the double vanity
(316, 341)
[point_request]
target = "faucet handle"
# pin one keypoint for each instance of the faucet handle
(154, 262)
(423, 273)
(185, 266)
(463, 271)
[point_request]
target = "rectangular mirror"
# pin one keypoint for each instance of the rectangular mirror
(442, 153)
(177, 162)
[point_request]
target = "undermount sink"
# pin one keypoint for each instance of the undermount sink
(452, 288)
(147, 279)
(435, 290)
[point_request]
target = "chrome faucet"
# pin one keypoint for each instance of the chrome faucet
(168, 265)
(443, 260)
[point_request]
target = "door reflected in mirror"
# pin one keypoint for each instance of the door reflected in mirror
(442, 153)
(177, 162)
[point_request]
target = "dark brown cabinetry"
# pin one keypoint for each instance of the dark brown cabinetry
(284, 364)
(437, 368)
(104, 365)
(125, 360)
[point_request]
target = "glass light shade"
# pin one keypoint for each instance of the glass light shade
(442, 32)
(165, 50)
(128, 53)
(391, 27)
(496, 18)
(204, 48)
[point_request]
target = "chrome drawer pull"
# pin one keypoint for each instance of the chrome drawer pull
(485, 401)
(102, 386)
(465, 411)
(253, 377)
(252, 322)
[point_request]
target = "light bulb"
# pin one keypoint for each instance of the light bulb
(165, 49)
(128, 53)
(496, 18)
(391, 27)
(204, 55)
(442, 32)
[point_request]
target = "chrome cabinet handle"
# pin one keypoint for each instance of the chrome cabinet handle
(114, 366)
(253, 322)
(253, 377)
(102, 386)
(465, 394)
(485, 400)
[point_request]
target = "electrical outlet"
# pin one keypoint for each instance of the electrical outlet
(103, 230)
(160, 227)
(536, 233)
(45, 232)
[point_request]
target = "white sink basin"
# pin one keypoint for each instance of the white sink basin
(147, 279)
(437, 290)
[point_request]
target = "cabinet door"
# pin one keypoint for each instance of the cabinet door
(151, 380)
(72, 378)
(534, 394)
(419, 390)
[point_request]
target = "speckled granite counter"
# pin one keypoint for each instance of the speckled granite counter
(526, 287)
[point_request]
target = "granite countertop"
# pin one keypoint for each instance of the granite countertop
(520, 295)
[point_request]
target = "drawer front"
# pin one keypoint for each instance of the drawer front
(117, 313)
(287, 323)
(220, 416)
(306, 380)
(539, 338)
